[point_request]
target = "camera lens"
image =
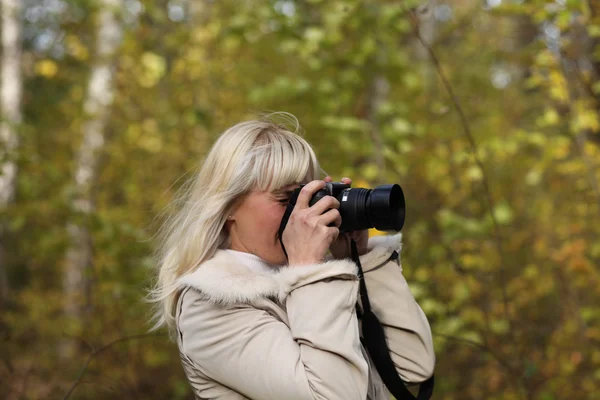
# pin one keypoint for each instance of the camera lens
(387, 208)
(382, 208)
(353, 209)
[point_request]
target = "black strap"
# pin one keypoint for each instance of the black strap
(376, 344)
(286, 216)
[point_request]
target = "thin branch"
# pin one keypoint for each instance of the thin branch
(483, 347)
(22, 392)
(79, 339)
(580, 77)
(475, 151)
(6, 361)
(453, 28)
(580, 137)
(100, 350)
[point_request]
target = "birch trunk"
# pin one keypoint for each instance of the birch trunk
(78, 270)
(427, 33)
(378, 94)
(11, 118)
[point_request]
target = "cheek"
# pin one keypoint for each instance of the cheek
(275, 214)
(269, 220)
(264, 221)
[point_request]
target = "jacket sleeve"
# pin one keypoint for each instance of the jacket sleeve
(405, 325)
(247, 349)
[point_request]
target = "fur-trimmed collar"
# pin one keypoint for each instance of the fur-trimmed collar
(224, 279)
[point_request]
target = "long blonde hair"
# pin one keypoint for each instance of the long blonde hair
(253, 155)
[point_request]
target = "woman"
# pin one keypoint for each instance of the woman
(251, 324)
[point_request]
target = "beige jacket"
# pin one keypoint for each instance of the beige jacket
(294, 334)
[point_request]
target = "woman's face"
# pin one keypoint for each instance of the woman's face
(253, 226)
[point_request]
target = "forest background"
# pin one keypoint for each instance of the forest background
(486, 112)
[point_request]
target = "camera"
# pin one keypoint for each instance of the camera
(382, 208)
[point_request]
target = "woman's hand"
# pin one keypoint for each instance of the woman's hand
(308, 235)
(341, 248)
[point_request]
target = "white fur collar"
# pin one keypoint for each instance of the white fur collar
(224, 279)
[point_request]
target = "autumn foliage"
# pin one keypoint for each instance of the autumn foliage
(485, 112)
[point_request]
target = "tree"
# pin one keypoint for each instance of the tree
(514, 314)
(11, 118)
(78, 272)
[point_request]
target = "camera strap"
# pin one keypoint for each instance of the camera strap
(375, 342)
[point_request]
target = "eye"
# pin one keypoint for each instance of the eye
(283, 196)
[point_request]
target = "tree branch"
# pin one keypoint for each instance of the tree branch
(100, 350)
(513, 372)
(475, 151)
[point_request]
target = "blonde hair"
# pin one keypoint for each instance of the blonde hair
(254, 155)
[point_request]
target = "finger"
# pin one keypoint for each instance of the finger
(331, 217)
(328, 179)
(324, 204)
(347, 181)
(307, 192)
(334, 232)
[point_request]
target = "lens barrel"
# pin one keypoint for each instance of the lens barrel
(382, 208)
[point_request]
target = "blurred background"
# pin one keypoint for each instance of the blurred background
(486, 112)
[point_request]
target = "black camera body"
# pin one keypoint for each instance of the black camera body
(382, 208)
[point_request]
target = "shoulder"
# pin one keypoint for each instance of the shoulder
(195, 310)
(381, 249)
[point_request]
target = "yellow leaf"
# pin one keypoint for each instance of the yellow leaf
(76, 48)
(46, 68)
(586, 120)
(561, 152)
(558, 88)
(474, 173)
(533, 177)
(551, 117)
(154, 67)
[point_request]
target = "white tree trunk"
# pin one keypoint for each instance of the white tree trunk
(379, 90)
(11, 117)
(100, 90)
(427, 33)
